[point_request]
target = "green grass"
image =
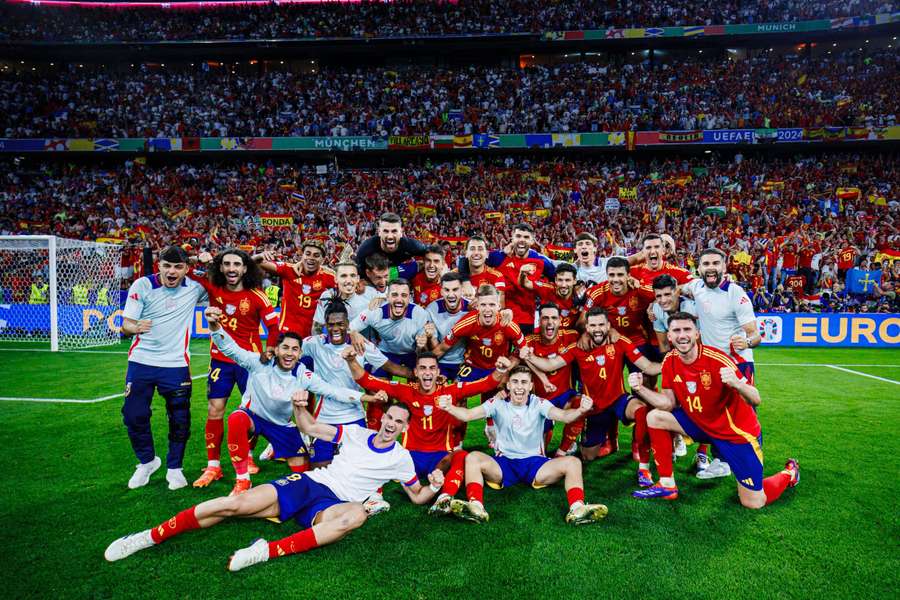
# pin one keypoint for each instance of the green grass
(836, 535)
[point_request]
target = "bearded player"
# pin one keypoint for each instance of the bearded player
(233, 284)
(705, 396)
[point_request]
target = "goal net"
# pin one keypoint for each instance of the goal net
(59, 293)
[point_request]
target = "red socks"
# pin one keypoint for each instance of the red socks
(215, 429)
(640, 433)
(575, 494)
(239, 425)
(475, 491)
(183, 521)
(454, 478)
(774, 485)
(661, 441)
(300, 468)
(293, 544)
(570, 434)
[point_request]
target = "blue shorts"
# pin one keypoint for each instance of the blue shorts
(426, 462)
(597, 425)
(285, 439)
(559, 402)
(300, 498)
(519, 470)
(468, 373)
(650, 351)
(323, 450)
(222, 378)
(745, 459)
(450, 371)
(407, 360)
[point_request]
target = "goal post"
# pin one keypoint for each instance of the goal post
(59, 293)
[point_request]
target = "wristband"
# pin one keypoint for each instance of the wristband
(434, 489)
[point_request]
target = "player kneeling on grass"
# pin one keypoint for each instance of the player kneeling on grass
(326, 502)
(705, 396)
(266, 406)
(520, 450)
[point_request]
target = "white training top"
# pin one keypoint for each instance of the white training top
(721, 312)
(520, 429)
(171, 311)
(356, 304)
(398, 336)
(360, 468)
(330, 366)
(661, 322)
(444, 322)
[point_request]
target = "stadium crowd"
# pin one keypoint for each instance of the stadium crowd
(786, 222)
(853, 88)
(404, 18)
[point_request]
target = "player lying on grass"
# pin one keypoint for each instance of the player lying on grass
(266, 405)
(326, 502)
(520, 450)
(430, 437)
(705, 396)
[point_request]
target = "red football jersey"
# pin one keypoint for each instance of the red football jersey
(627, 313)
(424, 291)
(430, 428)
(717, 408)
(300, 294)
(601, 370)
(795, 284)
(561, 378)
(568, 313)
(484, 344)
(244, 311)
(643, 273)
(846, 258)
(519, 299)
(491, 276)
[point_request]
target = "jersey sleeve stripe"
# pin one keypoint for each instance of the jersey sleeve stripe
(412, 481)
(339, 433)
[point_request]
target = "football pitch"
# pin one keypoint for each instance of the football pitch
(835, 535)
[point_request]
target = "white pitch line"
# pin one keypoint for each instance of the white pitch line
(113, 352)
(861, 374)
(74, 400)
(822, 365)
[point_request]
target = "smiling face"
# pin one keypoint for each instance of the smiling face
(393, 423)
(565, 284)
(549, 323)
(519, 387)
(233, 268)
(683, 336)
(597, 327)
(347, 278)
(656, 253)
(398, 298)
(451, 292)
(585, 251)
(618, 280)
(379, 278)
(172, 274)
(667, 298)
(522, 241)
(432, 265)
(476, 252)
(712, 269)
(390, 234)
(426, 373)
(488, 308)
(337, 325)
(287, 353)
(311, 260)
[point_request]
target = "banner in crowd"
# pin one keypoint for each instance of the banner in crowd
(786, 329)
(482, 141)
(832, 329)
(273, 221)
(717, 30)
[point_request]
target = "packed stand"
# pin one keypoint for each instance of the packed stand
(793, 227)
(764, 91)
(401, 19)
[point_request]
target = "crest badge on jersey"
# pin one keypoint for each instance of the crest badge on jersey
(244, 306)
(498, 338)
(622, 310)
(611, 352)
(706, 380)
(691, 386)
(230, 309)
(171, 304)
(601, 360)
(317, 285)
(423, 298)
(306, 289)
(428, 410)
(486, 341)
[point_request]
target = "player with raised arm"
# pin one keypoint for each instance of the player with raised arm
(326, 503)
(705, 396)
(601, 369)
(266, 406)
(653, 248)
(302, 284)
(324, 353)
(233, 283)
(346, 276)
(158, 312)
(430, 436)
(520, 450)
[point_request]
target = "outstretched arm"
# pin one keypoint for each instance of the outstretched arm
(663, 401)
(420, 494)
(572, 414)
(465, 415)
(305, 422)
